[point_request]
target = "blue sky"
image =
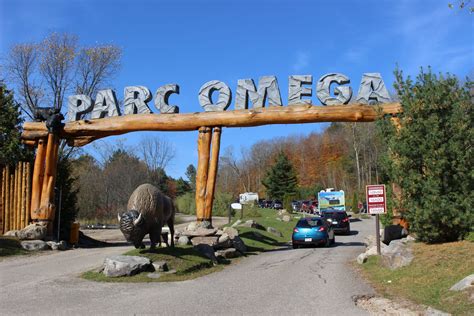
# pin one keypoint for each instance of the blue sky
(192, 42)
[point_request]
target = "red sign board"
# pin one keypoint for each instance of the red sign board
(376, 200)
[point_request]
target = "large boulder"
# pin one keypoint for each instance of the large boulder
(286, 218)
(227, 253)
(62, 245)
(252, 224)
(33, 231)
(223, 242)
(209, 240)
(200, 232)
(465, 283)
(117, 266)
(274, 231)
(232, 232)
(237, 223)
(362, 258)
(207, 251)
(34, 245)
(11, 233)
(238, 244)
(160, 266)
(397, 255)
(183, 241)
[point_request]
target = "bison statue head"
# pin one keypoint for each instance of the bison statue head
(131, 226)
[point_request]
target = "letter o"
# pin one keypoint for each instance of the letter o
(225, 96)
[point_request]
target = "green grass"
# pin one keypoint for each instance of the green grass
(428, 278)
(190, 264)
(259, 240)
(187, 262)
(10, 246)
(470, 237)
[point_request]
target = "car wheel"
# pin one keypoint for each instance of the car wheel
(295, 246)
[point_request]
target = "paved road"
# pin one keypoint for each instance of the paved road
(309, 281)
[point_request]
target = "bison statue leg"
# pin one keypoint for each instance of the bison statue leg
(171, 227)
(155, 236)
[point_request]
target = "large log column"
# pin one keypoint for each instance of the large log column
(45, 211)
(204, 144)
(212, 175)
(38, 173)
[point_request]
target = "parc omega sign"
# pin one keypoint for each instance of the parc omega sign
(136, 98)
(254, 105)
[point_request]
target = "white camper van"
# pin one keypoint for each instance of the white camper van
(248, 198)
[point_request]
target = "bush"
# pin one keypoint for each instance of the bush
(186, 203)
(430, 156)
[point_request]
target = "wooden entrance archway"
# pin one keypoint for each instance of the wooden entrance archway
(209, 125)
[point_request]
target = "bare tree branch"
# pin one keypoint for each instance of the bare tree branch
(157, 152)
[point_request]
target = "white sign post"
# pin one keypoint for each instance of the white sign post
(376, 204)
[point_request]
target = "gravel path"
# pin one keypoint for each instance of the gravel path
(309, 281)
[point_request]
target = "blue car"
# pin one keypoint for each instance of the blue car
(312, 231)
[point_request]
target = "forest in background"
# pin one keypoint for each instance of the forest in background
(344, 156)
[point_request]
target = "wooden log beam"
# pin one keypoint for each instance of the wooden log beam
(204, 146)
(82, 132)
(212, 174)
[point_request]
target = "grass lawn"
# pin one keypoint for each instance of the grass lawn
(190, 264)
(428, 278)
(258, 240)
(10, 246)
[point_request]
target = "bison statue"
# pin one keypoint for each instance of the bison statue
(147, 211)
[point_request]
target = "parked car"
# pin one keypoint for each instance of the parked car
(312, 231)
(314, 207)
(262, 203)
(277, 205)
(296, 205)
(339, 220)
(305, 206)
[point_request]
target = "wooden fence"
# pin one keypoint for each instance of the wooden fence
(15, 197)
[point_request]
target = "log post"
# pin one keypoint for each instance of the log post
(2, 204)
(212, 174)
(6, 216)
(37, 181)
(204, 144)
(28, 194)
(45, 213)
(11, 210)
(18, 194)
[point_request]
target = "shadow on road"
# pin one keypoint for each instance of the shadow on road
(349, 244)
(89, 242)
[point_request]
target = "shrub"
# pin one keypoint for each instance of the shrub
(430, 156)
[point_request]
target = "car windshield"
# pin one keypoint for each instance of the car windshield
(309, 222)
(336, 215)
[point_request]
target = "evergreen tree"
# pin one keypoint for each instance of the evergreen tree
(182, 186)
(430, 157)
(280, 179)
(191, 175)
(11, 149)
